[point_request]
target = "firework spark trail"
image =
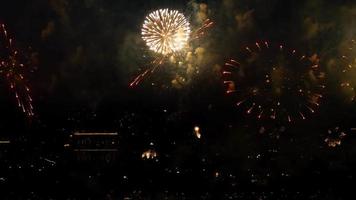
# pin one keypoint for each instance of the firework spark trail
(269, 77)
(348, 71)
(155, 64)
(13, 70)
(200, 32)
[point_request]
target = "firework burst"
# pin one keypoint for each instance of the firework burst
(13, 70)
(274, 82)
(167, 33)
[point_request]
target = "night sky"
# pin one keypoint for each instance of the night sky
(83, 55)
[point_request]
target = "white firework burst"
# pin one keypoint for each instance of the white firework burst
(166, 31)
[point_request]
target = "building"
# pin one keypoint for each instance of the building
(93, 146)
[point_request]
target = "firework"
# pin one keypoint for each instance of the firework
(168, 34)
(348, 76)
(166, 31)
(274, 82)
(13, 70)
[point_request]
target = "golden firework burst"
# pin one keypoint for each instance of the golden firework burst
(166, 31)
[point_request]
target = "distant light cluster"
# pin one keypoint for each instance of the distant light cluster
(149, 154)
(335, 137)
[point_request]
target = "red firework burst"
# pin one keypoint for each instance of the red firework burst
(13, 68)
(274, 82)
